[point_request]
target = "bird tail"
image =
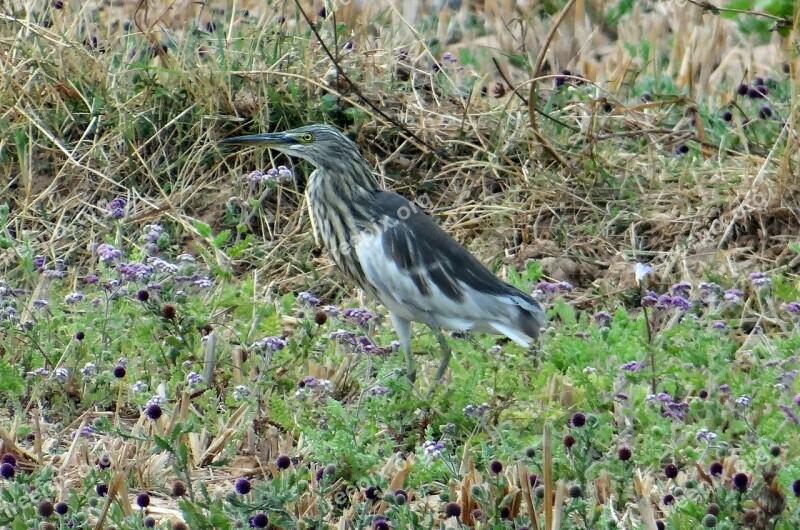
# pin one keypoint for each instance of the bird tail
(529, 321)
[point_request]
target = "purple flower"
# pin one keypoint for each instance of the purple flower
(790, 415)
(724, 387)
(38, 262)
(268, 345)
(650, 299)
(759, 280)
(116, 208)
(135, 271)
(709, 288)
(359, 315)
(363, 343)
(307, 298)
(162, 265)
(108, 253)
(680, 302)
(432, 448)
(449, 58)
(719, 324)
(663, 397)
(343, 336)
(681, 289)
(564, 286)
(255, 177)
(602, 318)
(796, 400)
(547, 287)
(787, 378)
(283, 174)
(792, 308)
(632, 366)
(733, 296)
(91, 279)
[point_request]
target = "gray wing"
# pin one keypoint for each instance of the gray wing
(443, 278)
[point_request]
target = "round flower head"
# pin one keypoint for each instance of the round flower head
(796, 488)
(143, 500)
(259, 520)
(178, 489)
(61, 508)
(283, 462)
(119, 371)
(101, 489)
(7, 471)
(154, 411)
(242, 486)
(578, 419)
(452, 509)
(741, 482)
(671, 470)
(624, 453)
(715, 469)
(496, 467)
(569, 441)
(400, 496)
(371, 492)
(45, 508)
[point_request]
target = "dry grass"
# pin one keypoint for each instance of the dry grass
(88, 120)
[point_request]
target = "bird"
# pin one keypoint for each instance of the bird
(395, 252)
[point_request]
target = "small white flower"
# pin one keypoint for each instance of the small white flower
(73, 298)
(139, 387)
(89, 369)
(240, 392)
(641, 271)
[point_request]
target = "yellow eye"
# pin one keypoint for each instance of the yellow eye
(306, 138)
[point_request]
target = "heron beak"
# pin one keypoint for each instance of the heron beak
(265, 139)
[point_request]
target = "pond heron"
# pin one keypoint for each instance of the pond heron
(396, 253)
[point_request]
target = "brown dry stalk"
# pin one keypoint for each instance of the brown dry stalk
(537, 67)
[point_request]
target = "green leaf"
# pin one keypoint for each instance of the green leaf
(202, 228)
(221, 238)
(174, 341)
(163, 443)
(11, 383)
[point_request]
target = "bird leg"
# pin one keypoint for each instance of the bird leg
(410, 366)
(446, 353)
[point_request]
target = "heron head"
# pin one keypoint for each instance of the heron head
(316, 143)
